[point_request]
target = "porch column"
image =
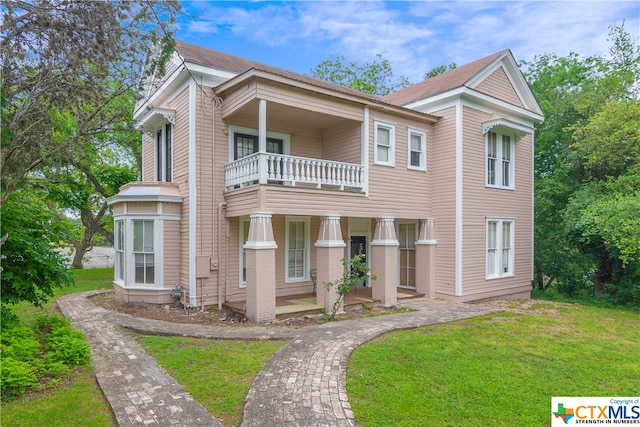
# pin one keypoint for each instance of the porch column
(329, 253)
(261, 269)
(426, 259)
(384, 262)
(262, 140)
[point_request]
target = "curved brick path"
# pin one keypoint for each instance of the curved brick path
(303, 384)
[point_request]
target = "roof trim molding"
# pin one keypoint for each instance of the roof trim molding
(515, 76)
(519, 129)
(153, 117)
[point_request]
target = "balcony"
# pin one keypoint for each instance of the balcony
(263, 168)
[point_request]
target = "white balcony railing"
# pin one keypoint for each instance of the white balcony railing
(290, 170)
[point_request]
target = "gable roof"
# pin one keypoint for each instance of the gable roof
(235, 64)
(441, 83)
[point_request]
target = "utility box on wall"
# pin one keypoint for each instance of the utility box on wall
(203, 266)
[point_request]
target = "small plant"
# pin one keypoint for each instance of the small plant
(356, 270)
(38, 355)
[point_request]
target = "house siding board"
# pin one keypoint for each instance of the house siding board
(443, 199)
(342, 143)
(171, 254)
(384, 181)
(498, 85)
(481, 202)
(300, 99)
(237, 99)
(148, 157)
(206, 229)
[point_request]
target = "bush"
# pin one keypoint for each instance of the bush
(68, 346)
(16, 377)
(40, 354)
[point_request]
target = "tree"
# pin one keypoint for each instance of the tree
(586, 170)
(375, 78)
(31, 265)
(67, 66)
(441, 69)
(58, 57)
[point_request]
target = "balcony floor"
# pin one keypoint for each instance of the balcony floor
(306, 303)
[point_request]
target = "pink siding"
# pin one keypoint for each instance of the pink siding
(499, 86)
(343, 143)
(481, 202)
(148, 157)
(171, 254)
(444, 213)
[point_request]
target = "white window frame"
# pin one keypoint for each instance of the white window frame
(500, 159)
(496, 262)
(286, 139)
(163, 160)
(423, 149)
(307, 249)
(129, 273)
(242, 283)
(120, 251)
(391, 161)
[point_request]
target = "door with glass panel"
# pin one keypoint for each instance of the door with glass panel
(407, 258)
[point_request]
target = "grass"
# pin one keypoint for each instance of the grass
(490, 369)
(229, 368)
(78, 397)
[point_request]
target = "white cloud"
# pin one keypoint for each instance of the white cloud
(417, 36)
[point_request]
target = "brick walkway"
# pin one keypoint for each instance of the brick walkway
(303, 384)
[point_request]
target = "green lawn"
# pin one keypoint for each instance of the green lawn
(495, 370)
(228, 366)
(482, 371)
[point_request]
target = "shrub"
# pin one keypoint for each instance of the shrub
(20, 343)
(68, 346)
(47, 351)
(16, 376)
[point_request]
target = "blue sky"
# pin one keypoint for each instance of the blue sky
(414, 36)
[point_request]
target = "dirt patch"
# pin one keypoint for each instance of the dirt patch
(224, 317)
(531, 306)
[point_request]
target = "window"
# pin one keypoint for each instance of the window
(244, 236)
(384, 140)
(244, 141)
(245, 145)
(297, 249)
(499, 160)
(417, 149)
(143, 251)
(407, 239)
(164, 153)
(500, 257)
(118, 243)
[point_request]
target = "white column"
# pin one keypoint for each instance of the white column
(262, 140)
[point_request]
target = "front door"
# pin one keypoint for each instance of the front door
(407, 264)
(359, 247)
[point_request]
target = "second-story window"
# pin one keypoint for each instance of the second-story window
(500, 149)
(385, 144)
(164, 153)
(417, 150)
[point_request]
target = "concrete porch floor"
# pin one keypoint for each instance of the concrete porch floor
(306, 303)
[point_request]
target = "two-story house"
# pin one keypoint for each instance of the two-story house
(257, 181)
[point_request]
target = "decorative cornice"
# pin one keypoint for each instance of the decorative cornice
(519, 129)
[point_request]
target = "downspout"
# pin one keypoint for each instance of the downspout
(221, 208)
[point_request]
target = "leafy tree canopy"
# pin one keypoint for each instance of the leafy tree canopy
(375, 78)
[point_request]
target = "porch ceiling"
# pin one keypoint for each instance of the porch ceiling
(282, 114)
